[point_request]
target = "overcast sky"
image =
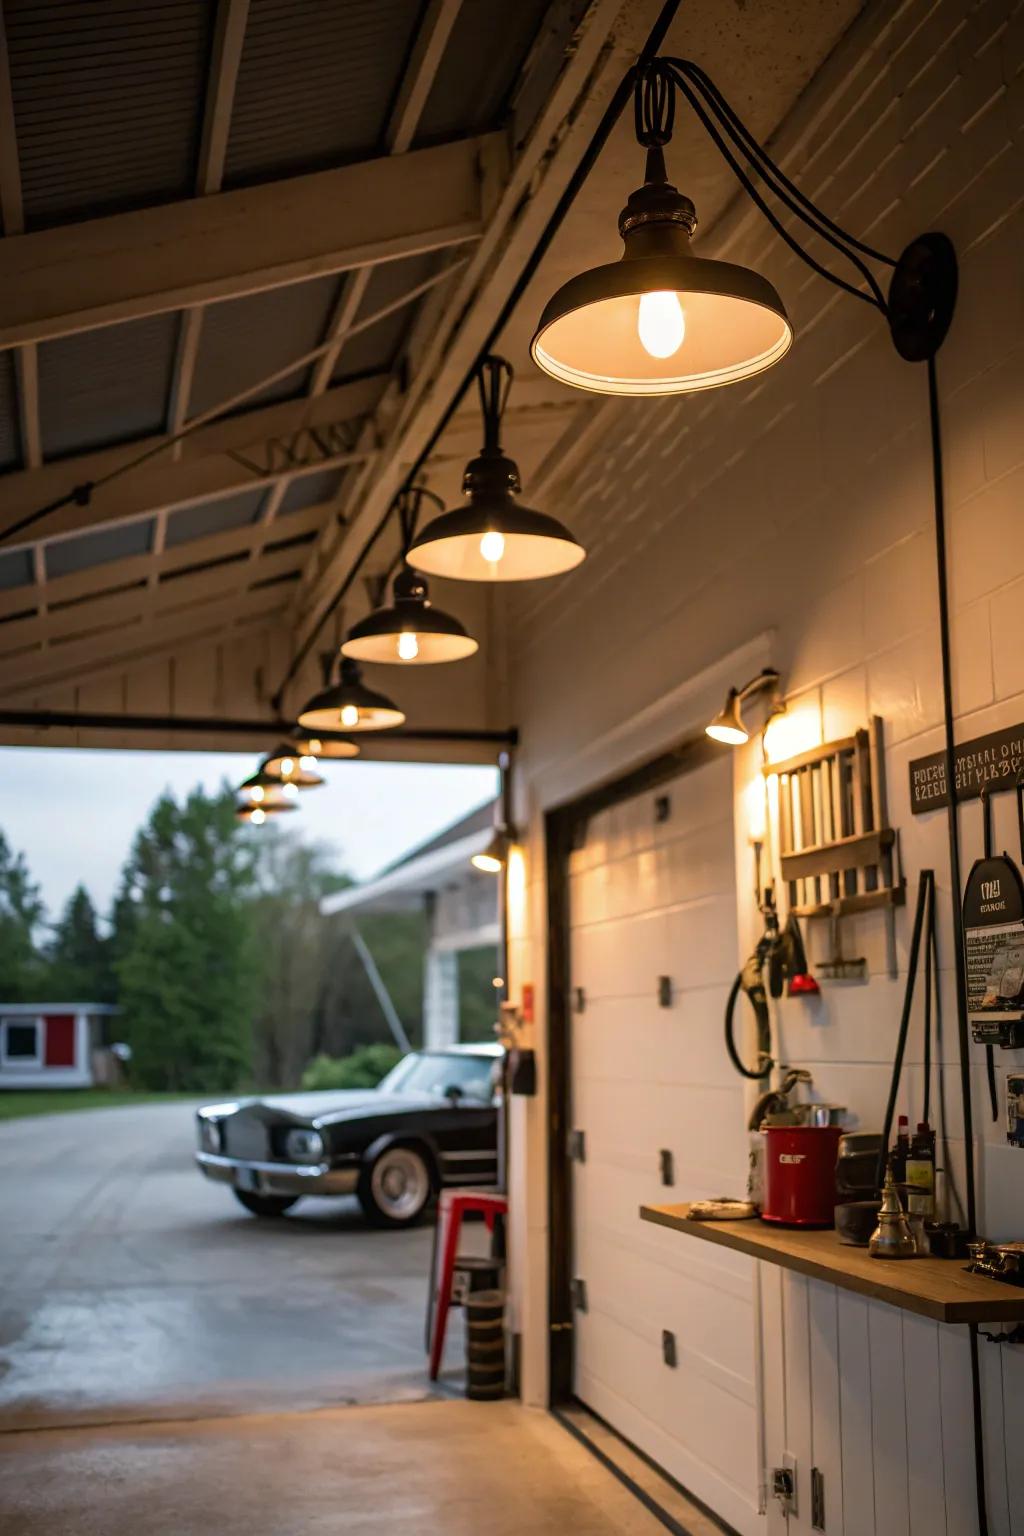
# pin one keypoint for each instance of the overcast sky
(74, 814)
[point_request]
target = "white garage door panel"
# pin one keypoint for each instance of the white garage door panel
(626, 1124)
(681, 1303)
(651, 899)
(680, 869)
(728, 1499)
(682, 1044)
(690, 1407)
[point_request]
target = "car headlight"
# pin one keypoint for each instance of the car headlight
(301, 1144)
(209, 1135)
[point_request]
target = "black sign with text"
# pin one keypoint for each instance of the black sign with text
(995, 759)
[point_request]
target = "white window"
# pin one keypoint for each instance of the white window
(21, 1042)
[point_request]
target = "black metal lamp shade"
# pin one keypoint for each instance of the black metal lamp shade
(494, 538)
(287, 765)
(410, 632)
(660, 321)
(268, 790)
(256, 815)
(349, 705)
(494, 857)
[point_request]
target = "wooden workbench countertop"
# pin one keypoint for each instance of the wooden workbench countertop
(938, 1288)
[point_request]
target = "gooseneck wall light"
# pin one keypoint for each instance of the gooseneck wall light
(728, 726)
(494, 537)
(409, 631)
(661, 322)
(348, 704)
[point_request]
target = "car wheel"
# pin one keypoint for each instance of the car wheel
(395, 1189)
(266, 1205)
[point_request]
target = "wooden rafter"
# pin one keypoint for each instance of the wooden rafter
(146, 262)
(226, 56)
(431, 40)
(13, 212)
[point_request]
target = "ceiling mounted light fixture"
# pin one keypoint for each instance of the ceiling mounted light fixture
(291, 767)
(660, 321)
(494, 538)
(348, 704)
(256, 815)
(409, 631)
(728, 726)
(269, 790)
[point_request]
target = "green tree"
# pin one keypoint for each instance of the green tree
(292, 941)
(21, 913)
(78, 956)
(186, 962)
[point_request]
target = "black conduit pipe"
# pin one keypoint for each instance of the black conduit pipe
(953, 823)
(602, 133)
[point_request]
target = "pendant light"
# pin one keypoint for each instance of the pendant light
(268, 790)
(290, 767)
(348, 704)
(409, 631)
(256, 815)
(494, 538)
(728, 726)
(660, 321)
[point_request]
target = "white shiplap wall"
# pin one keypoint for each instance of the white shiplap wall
(800, 506)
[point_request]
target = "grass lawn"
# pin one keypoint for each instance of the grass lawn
(57, 1101)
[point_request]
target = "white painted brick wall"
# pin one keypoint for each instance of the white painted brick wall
(800, 505)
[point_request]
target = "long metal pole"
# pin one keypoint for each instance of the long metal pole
(380, 991)
(210, 725)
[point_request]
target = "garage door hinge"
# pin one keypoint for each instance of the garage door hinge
(667, 1167)
(579, 999)
(577, 1146)
(664, 991)
(578, 1290)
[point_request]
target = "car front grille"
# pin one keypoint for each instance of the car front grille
(245, 1136)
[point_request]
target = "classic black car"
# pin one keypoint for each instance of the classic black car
(432, 1121)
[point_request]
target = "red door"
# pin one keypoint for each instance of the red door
(60, 1040)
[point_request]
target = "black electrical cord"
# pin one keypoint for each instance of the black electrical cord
(763, 1023)
(953, 824)
(752, 192)
(990, 1057)
(785, 189)
(601, 135)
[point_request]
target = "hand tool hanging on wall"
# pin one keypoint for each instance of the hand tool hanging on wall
(782, 951)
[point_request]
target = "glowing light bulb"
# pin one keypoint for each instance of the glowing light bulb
(258, 817)
(290, 790)
(349, 716)
(256, 793)
(408, 646)
(287, 767)
(661, 324)
(492, 546)
(307, 764)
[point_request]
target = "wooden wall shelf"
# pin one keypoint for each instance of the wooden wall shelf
(938, 1288)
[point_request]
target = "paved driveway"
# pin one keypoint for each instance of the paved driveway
(130, 1287)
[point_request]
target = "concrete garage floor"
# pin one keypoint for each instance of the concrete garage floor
(409, 1470)
(130, 1287)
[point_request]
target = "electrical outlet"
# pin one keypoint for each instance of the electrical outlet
(782, 1482)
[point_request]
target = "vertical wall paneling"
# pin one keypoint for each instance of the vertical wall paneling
(926, 1473)
(799, 1403)
(855, 1413)
(827, 1419)
(888, 1420)
(957, 1441)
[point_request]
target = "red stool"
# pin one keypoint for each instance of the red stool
(452, 1206)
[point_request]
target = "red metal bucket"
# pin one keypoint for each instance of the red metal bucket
(800, 1174)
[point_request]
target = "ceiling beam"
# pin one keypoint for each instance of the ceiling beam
(228, 454)
(56, 281)
(431, 40)
(196, 588)
(12, 210)
(138, 641)
(225, 58)
(592, 71)
(96, 581)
